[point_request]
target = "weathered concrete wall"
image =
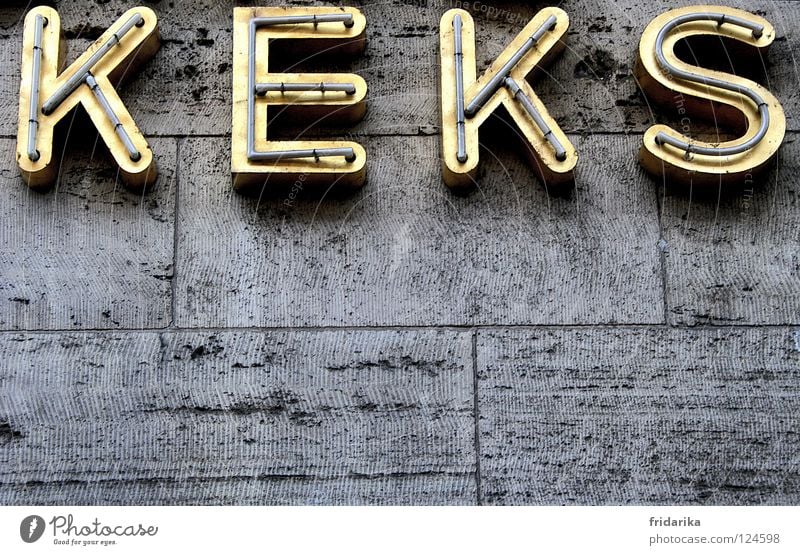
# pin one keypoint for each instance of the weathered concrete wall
(627, 344)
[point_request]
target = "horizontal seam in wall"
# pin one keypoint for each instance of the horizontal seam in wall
(444, 327)
(259, 478)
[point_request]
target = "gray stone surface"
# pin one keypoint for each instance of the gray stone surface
(424, 489)
(509, 254)
(364, 416)
(736, 259)
(639, 416)
(89, 254)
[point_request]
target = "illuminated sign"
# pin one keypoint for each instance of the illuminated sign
(468, 102)
(313, 97)
(260, 95)
(725, 100)
(47, 96)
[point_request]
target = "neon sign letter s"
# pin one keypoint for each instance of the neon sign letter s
(721, 98)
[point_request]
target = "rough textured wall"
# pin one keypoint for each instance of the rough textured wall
(625, 344)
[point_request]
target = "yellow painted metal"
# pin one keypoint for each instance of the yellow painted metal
(137, 47)
(328, 38)
(458, 175)
(727, 111)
